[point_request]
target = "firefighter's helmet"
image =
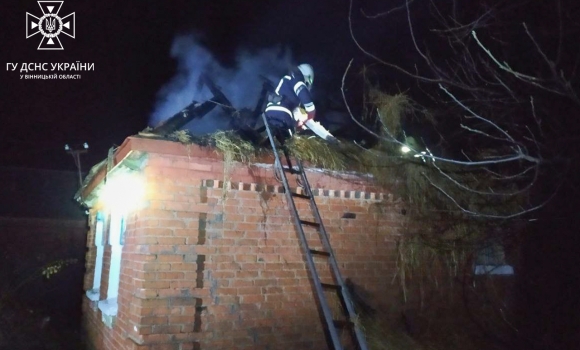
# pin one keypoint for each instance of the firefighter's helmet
(308, 74)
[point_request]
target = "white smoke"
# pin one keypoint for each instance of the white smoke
(241, 84)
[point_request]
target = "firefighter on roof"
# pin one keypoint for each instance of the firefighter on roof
(292, 106)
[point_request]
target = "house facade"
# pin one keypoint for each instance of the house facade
(178, 260)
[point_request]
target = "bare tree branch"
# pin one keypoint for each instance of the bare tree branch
(416, 76)
(386, 13)
(499, 109)
(413, 35)
(504, 66)
(485, 120)
(489, 216)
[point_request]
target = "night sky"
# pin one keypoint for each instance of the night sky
(129, 43)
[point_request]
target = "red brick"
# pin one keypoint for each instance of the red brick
(231, 202)
(242, 258)
(244, 226)
(205, 249)
(190, 345)
(224, 250)
(246, 195)
(249, 210)
(145, 293)
(256, 234)
(176, 223)
(153, 266)
(223, 274)
(255, 219)
(154, 320)
(222, 258)
(185, 249)
(147, 222)
(156, 338)
(157, 214)
(169, 275)
(183, 284)
(249, 290)
(183, 267)
(152, 284)
(171, 240)
(181, 319)
(154, 232)
(186, 215)
(143, 275)
(171, 292)
(252, 298)
(223, 242)
(162, 249)
(248, 242)
(241, 283)
(232, 217)
(165, 329)
(170, 258)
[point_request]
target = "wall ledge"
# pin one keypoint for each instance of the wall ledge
(109, 309)
(317, 192)
(93, 294)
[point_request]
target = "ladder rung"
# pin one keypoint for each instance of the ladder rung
(309, 223)
(330, 286)
(291, 170)
(319, 252)
(300, 195)
(342, 324)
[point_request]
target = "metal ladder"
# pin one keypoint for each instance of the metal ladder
(349, 321)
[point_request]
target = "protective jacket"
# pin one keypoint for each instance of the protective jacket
(292, 107)
(293, 93)
(290, 94)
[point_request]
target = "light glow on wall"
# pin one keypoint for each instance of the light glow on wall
(123, 192)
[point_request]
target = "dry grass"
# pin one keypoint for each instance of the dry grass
(228, 143)
(233, 149)
(391, 109)
(182, 136)
(233, 146)
(432, 261)
(317, 152)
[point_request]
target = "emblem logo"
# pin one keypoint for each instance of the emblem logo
(50, 25)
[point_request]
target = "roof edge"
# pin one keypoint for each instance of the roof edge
(140, 144)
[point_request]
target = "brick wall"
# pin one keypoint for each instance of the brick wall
(211, 268)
